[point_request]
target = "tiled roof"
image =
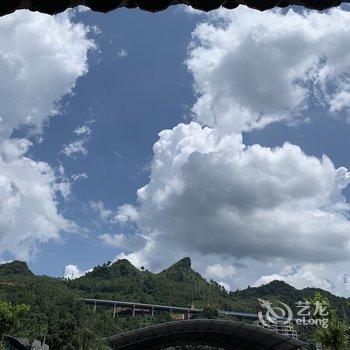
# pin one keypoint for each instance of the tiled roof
(56, 6)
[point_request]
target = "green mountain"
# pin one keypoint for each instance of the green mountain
(57, 313)
(15, 268)
(121, 268)
(281, 291)
(179, 285)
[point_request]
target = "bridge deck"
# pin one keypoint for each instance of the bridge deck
(156, 307)
(141, 306)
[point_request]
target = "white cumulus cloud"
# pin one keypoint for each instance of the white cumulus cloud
(72, 272)
(28, 204)
(41, 58)
(251, 69)
(212, 195)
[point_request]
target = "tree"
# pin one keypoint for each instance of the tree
(332, 334)
(9, 318)
(86, 338)
(210, 312)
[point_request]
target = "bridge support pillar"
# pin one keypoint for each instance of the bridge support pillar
(114, 310)
(95, 306)
(152, 312)
(133, 311)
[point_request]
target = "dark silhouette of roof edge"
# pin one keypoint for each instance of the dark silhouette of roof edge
(56, 6)
(19, 343)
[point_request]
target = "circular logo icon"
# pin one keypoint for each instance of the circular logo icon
(274, 314)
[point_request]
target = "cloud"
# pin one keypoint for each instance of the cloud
(298, 276)
(225, 285)
(79, 177)
(213, 195)
(75, 147)
(83, 130)
(122, 53)
(41, 58)
(80, 144)
(129, 242)
(222, 274)
(104, 214)
(72, 272)
(331, 277)
(28, 201)
(251, 69)
(219, 272)
(125, 213)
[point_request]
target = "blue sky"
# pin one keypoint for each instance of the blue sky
(131, 99)
(212, 193)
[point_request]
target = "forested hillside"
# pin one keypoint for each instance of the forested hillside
(57, 313)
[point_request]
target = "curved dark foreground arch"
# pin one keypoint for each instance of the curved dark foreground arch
(223, 334)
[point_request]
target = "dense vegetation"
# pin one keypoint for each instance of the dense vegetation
(67, 323)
